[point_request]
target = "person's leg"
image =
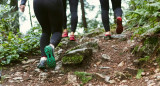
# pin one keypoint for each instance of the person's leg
(116, 5)
(41, 15)
(55, 16)
(74, 17)
(105, 16)
(65, 32)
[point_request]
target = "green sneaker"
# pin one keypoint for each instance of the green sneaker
(50, 57)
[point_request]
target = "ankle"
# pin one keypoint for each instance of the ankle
(65, 30)
(52, 46)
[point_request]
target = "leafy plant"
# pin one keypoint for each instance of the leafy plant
(139, 73)
(85, 77)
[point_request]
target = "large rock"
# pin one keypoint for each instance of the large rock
(76, 56)
(67, 44)
(91, 45)
(119, 36)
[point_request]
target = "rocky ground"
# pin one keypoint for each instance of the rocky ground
(104, 62)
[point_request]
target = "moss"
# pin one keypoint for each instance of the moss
(85, 77)
(72, 59)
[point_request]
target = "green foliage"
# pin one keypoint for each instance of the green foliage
(145, 59)
(85, 77)
(13, 46)
(139, 73)
(145, 15)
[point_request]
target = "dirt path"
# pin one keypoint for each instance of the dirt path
(115, 69)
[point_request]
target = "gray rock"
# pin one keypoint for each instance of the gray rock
(76, 56)
(58, 65)
(115, 47)
(104, 67)
(91, 45)
(28, 61)
(67, 44)
(106, 57)
(119, 36)
(122, 76)
(25, 66)
(121, 64)
(125, 49)
(37, 70)
(72, 78)
(107, 78)
(18, 79)
(43, 76)
(112, 81)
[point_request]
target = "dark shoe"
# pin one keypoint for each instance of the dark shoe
(119, 28)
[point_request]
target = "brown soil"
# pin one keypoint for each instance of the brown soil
(114, 48)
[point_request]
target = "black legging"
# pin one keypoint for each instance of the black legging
(74, 16)
(50, 16)
(116, 5)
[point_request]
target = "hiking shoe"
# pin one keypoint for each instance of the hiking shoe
(119, 28)
(65, 34)
(107, 36)
(50, 56)
(42, 63)
(72, 38)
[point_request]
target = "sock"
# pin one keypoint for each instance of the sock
(52, 46)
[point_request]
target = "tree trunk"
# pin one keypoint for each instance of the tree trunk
(83, 14)
(30, 14)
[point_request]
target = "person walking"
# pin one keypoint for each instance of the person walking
(116, 5)
(49, 14)
(74, 18)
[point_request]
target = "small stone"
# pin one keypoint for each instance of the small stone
(54, 72)
(107, 78)
(58, 65)
(11, 81)
(28, 61)
(155, 64)
(43, 76)
(115, 47)
(146, 79)
(143, 73)
(158, 77)
(121, 64)
(104, 67)
(18, 74)
(124, 81)
(37, 70)
(25, 66)
(136, 62)
(95, 65)
(72, 78)
(157, 70)
(112, 81)
(106, 57)
(125, 49)
(152, 84)
(18, 78)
